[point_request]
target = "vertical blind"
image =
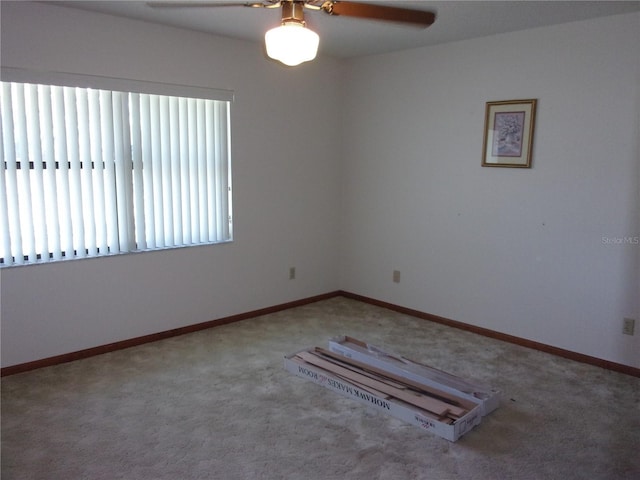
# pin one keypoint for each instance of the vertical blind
(90, 172)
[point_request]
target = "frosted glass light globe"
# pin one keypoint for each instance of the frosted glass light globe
(292, 44)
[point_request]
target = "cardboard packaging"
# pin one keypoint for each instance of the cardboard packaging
(463, 411)
(487, 397)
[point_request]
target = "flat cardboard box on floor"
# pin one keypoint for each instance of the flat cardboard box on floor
(391, 406)
(487, 397)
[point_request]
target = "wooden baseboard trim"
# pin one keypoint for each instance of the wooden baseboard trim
(133, 342)
(560, 352)
(111, 347)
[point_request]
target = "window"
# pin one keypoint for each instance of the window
(97, 171)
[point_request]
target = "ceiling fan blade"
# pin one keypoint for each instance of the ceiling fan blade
(419, 18)
(161, 4)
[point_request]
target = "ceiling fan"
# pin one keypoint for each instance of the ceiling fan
(292, 42)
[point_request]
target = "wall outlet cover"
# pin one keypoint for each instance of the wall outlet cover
(628, 326)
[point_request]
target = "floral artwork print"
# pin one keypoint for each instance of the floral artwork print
(508, 130)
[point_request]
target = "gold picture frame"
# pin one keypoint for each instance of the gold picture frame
(508, 133)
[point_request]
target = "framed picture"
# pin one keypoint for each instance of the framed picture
(508, 133)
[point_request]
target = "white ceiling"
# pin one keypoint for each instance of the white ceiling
(349, 37)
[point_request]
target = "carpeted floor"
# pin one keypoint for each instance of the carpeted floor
(217, 404)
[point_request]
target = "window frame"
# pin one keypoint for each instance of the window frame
(61, 79)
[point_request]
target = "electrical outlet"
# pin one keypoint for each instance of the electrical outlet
(396, 276)
(628, 326)
(292, 273)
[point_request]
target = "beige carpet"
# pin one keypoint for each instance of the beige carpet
(218, 404)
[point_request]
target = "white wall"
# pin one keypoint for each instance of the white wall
(518, 251)
(514, 250)
(286, 188)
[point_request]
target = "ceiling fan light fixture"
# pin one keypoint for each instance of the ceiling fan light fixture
(292, 43)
